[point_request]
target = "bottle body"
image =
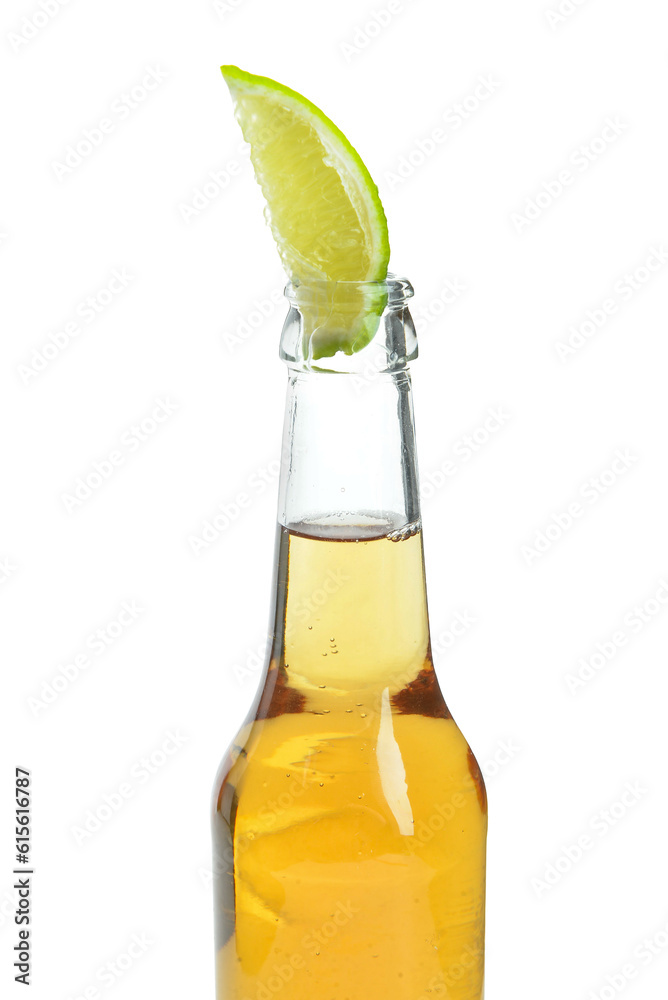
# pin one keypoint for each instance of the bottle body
(350, 816)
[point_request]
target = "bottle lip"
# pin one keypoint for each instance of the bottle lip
(397, 289)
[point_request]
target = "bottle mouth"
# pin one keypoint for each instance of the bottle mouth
(396, 289)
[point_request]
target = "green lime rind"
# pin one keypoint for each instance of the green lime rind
(343, 329)
(238, 79)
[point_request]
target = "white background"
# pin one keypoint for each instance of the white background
(176, 333)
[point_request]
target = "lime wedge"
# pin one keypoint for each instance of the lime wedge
(323, 209)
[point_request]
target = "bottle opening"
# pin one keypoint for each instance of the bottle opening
(394, 289)
(349, 326)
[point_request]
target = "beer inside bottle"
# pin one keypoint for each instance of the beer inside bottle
(349, 816)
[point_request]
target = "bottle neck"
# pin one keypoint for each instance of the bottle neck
(351, 605)
(349, 464)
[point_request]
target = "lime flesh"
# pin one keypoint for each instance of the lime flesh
(323, 209)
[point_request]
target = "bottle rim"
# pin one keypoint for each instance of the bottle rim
(397, 289)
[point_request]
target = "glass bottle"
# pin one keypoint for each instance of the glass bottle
(350, 815)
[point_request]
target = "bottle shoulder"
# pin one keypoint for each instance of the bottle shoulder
(294, 760)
